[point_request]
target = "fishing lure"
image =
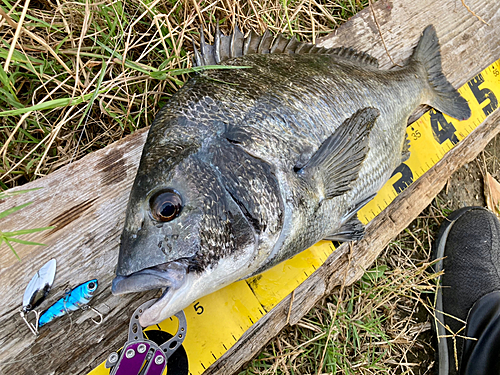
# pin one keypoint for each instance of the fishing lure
(77, 298)
(142, 356)
(38, 288)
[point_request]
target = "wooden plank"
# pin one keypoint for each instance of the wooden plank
(86, 201)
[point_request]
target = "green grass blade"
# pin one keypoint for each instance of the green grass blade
(176, 72)
(9, 98)
(13, 209)
(24, 242)
(127, 63)
(14, 251)
(95, 93)
(4, 78)
(18, 57)
(25, 231)
(51, 104)
(6, 194)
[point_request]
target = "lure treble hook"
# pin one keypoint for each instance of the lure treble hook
(101, 317)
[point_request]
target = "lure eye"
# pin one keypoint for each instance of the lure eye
(91, 286)
(165, 205)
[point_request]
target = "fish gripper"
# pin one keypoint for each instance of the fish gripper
(141, 356)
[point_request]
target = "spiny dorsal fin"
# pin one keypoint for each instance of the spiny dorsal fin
(353, 55)
(235, 45)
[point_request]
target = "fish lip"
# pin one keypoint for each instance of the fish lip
(171, 276)
(152, 315)
(167, 275)
(137, 282)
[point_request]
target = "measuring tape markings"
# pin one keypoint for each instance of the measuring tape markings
(275, 284)
(217, 321)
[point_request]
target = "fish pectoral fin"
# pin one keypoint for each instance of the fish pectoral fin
(336, 164)
(351, 230)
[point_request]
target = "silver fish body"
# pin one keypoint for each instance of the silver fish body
(244, 168)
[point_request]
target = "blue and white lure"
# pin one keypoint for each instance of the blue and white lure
(77, 298)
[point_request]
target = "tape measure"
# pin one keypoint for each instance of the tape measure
(217, 321)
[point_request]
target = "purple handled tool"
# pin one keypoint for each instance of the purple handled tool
(143, 356)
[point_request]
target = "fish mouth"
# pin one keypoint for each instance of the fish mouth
(170, 276)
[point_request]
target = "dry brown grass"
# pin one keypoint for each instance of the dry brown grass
(77, 76)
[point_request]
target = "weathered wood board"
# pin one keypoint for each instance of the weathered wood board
(86, 202)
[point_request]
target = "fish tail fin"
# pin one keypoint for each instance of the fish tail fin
(444, 97)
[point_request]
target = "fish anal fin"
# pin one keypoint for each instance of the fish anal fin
(351, 230)
(336, 164)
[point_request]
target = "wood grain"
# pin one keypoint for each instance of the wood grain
(86, 202)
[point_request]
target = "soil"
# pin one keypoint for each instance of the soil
(466, 186)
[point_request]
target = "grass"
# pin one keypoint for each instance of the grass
(84, 74)
(11, 237)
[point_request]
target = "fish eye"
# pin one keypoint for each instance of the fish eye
(91, 286)
(165, 205)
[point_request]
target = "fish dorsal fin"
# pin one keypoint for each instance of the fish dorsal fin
(351, 54)
(336, 164)
(236, 44)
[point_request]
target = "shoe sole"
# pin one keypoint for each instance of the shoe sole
(443, 355)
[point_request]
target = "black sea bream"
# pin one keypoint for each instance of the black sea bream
(245, 168)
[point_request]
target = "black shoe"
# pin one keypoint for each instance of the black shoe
(469, 242)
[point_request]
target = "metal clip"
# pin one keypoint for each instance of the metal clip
(33, 327)
(140, 353)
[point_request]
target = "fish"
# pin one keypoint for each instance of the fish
(75, 299)
(246, 167)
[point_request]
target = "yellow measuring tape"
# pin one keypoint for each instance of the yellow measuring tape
(217, 321)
